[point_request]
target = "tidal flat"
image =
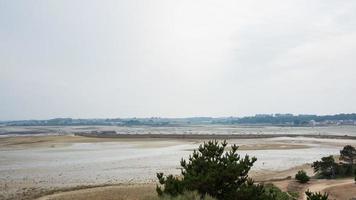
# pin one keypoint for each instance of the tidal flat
(54, 160)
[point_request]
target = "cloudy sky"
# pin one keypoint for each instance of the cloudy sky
(176, 58)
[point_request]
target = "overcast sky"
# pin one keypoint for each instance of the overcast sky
(176, 58)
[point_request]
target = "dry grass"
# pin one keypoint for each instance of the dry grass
(118, 192)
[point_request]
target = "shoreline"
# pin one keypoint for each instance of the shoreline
(212, 136)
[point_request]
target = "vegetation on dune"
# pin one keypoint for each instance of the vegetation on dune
(348, 154)
(278, 193)
(328, 168)
(325, 167)
(194, 195)
(316, 196)
(302, 177)
(212, 171)
(188, 195)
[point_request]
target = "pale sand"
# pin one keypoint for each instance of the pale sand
(344, 191)
(330, 186)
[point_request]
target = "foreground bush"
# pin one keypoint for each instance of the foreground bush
(302, 177)
(316, 196)
(278, 194)
(212, 171)
(186, 196)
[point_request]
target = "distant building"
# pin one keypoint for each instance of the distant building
(264, 115)
(312, 123)
(283, 115)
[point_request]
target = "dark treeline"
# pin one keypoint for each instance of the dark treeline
(263, 119)
(293, 119)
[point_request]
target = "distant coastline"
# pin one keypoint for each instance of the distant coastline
(257, 120)
(112, 134)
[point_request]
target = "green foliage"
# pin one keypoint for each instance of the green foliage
(343, 170)
(325, 167)
(186, 196)
(316, 196)
(293, 194)
(173, 186)
(302, 176)
(348, 154)
(251, 191)
(278, 194)
(210, 170)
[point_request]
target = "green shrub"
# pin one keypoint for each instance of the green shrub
(328, 168)
(277, 193)
(316, 196)
(293, 194)
(325, 167)
(348, 154)
(186, 196)
(210, 170)
(302, 176)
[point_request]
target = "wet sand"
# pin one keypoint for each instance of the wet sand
(50, 141)
(66, 140)
(34, 166)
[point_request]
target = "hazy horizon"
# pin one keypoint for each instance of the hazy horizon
(107, 59)
(181, 117)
